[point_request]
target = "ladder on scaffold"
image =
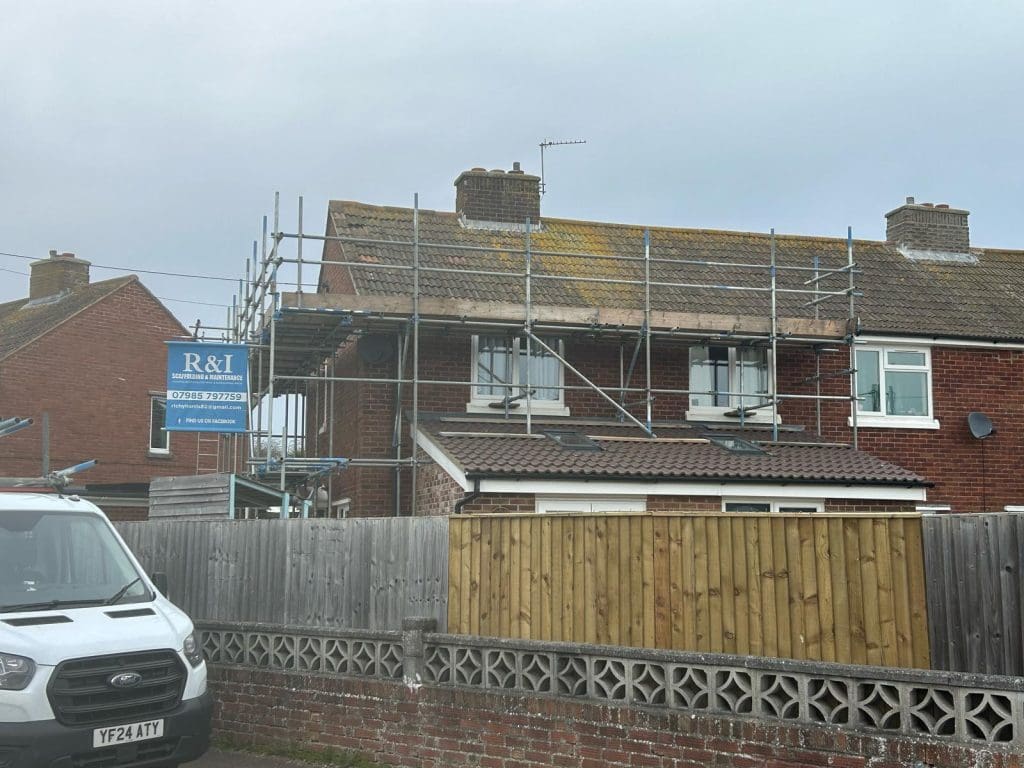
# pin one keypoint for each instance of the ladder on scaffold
(208, 453)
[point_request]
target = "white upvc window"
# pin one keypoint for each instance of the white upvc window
(590, 504)
(159, 437)
(500, 372)
(894, 387)
(773, 506)
(725, 379)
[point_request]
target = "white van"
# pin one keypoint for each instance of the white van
(97, 668)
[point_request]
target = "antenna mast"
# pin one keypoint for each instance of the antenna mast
(550, 143)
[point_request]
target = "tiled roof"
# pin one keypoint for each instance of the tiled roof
(488, 448)
(22, 321)
(900, 296)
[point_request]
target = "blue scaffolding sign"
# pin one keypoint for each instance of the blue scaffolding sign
(207, 387)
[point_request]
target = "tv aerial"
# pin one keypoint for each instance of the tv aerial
(553, 143)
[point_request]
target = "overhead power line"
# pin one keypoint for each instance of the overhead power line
(139, 271)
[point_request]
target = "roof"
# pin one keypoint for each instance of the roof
(980, 298)
(488, 448)
(23, 321)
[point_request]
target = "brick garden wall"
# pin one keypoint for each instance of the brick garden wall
(433, 727)
(93, 375)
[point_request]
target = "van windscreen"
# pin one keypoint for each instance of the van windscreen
(62, 559)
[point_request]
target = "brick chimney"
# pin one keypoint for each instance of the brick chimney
(928, 227)
(61, 272)
(497, 196)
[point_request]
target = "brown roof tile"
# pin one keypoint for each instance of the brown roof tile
(488, 448)
(977, 300)
(22, 321)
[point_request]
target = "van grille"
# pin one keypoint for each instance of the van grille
(81, 694)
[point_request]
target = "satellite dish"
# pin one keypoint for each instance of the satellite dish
(376, 348)
(980, 425)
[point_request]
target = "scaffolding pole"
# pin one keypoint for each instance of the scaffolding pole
(773, 369)
(415, 350)
(647, 327)
(255, 311)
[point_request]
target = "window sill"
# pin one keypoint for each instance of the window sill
(159, 455)
(894, 422)
(706, 413)
(535, 409)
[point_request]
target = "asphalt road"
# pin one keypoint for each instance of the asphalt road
(216, 758)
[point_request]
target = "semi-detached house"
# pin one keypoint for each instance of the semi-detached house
(87, 362)
(730, 408)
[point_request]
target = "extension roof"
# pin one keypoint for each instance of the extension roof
(982, 299)
(23, 321)
(489, 448)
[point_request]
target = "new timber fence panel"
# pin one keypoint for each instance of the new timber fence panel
(845, 589)
(976, 591)
(366, 573)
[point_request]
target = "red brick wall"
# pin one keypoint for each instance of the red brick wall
(93, 375)
(963, 380)
(430, 727)
(437, 493)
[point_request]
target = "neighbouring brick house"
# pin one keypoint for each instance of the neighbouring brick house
(92, 357)
(938, 332)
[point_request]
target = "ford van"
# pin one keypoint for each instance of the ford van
(97, 667)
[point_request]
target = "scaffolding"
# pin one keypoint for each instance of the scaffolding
(294, 336)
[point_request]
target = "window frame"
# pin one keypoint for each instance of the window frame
(880, 418)
(481, 403)
(717, 412)
(774, 505)
(589, 505)
(166, 449)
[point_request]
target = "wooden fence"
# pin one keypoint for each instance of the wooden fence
(975, 592)
(355, 573)
(843, 589)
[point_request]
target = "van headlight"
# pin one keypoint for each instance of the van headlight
(192, 650)
(15, 672)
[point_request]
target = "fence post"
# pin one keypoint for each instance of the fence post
(413, 629)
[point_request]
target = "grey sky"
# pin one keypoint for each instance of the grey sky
(153, 135)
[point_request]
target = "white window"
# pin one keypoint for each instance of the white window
(894, 385)
(727, 379)
(159, 437)
(590, 504)
(500, 371)
(774, 506)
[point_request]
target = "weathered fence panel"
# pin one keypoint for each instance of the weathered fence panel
(819, 587)
(975, 591)
(356, 573)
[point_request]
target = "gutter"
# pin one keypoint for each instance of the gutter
(474, 494)
(476, 477)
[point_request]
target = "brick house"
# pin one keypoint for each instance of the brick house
(91, 356)
(937, 333)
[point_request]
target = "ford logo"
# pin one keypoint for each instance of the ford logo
(125, 679)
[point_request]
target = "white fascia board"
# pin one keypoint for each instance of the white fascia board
(443, 460)
(732, 490)
(937, 341)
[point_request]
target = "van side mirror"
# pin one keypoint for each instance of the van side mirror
(159, 579)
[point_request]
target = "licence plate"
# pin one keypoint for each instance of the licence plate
(124, 734)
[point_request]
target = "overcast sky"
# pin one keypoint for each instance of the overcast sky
(153, 135)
